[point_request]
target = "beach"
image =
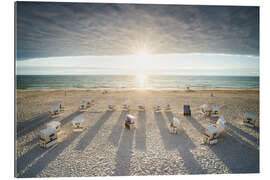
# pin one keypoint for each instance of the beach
(106, 148)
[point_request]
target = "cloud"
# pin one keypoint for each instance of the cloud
(82, 29)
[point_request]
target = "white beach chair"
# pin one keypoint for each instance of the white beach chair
(212, 132)
(157, 107)
(54, 124)
(125, 106)
(54, 111)
(61, 105)
(77, 123)
(130, 121)
(206, 109)
(167, 106)
(141, 106)
(111, 106)
(88, 102)
(188, 89)
(83, 106)
(249, 119)
(175, 125)
(215, 110)
(48, 137)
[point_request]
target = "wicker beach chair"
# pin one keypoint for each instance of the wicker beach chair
(141, 106)
(129, 122)
(167, 106)
(88, 102)
(215, 110)
(125, 106)
(187, 111)
(111, 106)
(54, 111)
(175, 125)
(157, 107)
(83, 106)
(212, 132)
(205, 109)
(61, 105)
(77, 123)
(249, 119)
(47, 137)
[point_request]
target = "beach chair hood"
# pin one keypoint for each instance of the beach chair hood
(78, 119)
(250, 116)
(54, 108)
(48, 131)
(221, 122)
(130, 117)
(60, 103)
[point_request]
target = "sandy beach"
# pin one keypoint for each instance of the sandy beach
(106, 148)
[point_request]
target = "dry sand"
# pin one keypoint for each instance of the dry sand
(106, 148)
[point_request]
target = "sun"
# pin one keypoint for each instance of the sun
(142, 52)
(143, 60)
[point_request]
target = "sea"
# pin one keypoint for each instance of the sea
(127, 82)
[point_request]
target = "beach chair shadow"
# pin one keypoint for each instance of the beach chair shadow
(195, 124)
(50, 155)
(124, 153)
(32, 142)
(36, 151)
(91, 133)
(70, 117)
(238, 155)
(141, 131)
(21, 125)
(28, 157)
(27, 127)
(117, 129)
(243, 133)
(63, 122)
(180, 142)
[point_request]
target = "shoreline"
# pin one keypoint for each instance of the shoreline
(149, 90)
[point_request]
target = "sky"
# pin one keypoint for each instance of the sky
(87, 38)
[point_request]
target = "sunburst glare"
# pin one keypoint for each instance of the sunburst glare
(141, 79)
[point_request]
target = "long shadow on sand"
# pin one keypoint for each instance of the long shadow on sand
(180, 142)
(124, 153)
(26, 127)
(22, 125)
(117, 129)
(91, 133)
(238, 155)
(63, 122)
(141, 131)
(49, 156)
(37, 122)
(36, 151)
(243, 133)
(70, 117)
